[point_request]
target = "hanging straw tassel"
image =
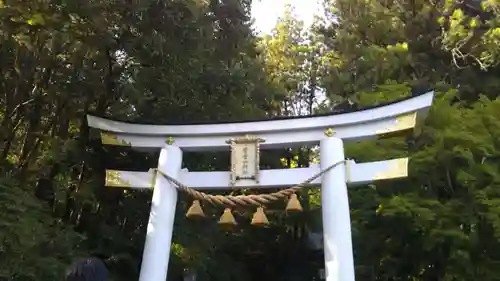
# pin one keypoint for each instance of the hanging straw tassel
(293, 205)
(259, 218)
(227, 218)
(195, 211)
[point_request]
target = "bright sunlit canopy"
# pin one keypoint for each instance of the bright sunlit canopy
(267, 12)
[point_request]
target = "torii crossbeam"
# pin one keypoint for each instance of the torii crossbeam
(354, 126)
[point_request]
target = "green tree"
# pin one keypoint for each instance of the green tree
(146, 61)
(371, 42)
(292, 56)
(437, 224)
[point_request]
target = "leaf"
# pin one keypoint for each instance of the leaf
(36, 19)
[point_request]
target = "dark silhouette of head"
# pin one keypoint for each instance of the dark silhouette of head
(88, 269)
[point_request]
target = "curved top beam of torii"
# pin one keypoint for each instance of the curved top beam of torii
(352, 126)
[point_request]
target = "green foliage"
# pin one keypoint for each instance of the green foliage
(440, 221)
(185, 61)
(472, 32)
(143, 61)
(34, 245)
(292, 57)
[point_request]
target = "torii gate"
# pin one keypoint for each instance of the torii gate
(287, 132)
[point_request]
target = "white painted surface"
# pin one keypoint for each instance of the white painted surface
(349, 126)
(364, 173)
(273, 139)
(156, 253)
(339, 262)
(358, 173)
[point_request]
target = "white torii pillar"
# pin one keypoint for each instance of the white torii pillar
(337, 241)
(156, 253)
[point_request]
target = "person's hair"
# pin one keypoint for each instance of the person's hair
(88, 269)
